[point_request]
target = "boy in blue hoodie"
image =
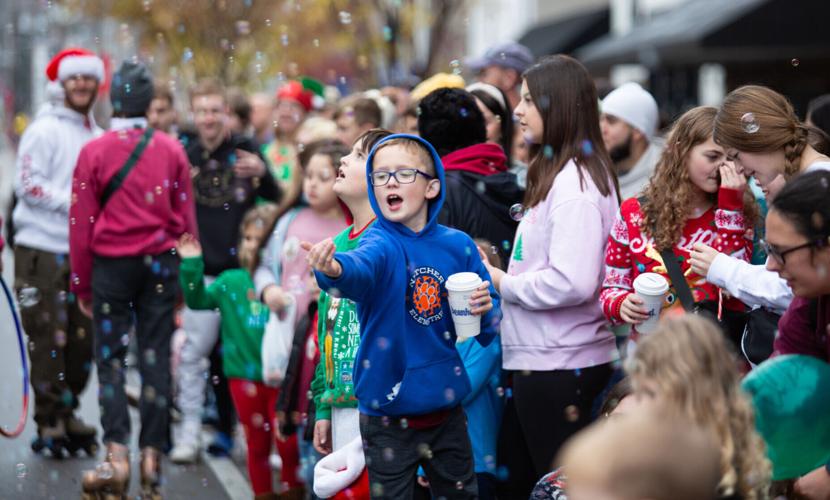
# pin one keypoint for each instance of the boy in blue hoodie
(409, 378)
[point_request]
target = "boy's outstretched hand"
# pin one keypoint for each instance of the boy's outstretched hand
(188, 246)
(321, 257)
(481, 300)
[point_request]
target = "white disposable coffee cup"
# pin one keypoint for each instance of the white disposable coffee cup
(460, 286)
(652, 288)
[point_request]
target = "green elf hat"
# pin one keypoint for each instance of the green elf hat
(317, 88)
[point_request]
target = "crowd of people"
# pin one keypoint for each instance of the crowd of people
(282, 263)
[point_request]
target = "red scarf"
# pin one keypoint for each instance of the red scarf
(483, 159)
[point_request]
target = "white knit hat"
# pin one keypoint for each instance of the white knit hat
(634, 105)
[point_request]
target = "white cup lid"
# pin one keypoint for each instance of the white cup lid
(651, 284)
(463, 281)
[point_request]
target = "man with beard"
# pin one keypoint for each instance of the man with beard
(629, 123)
(60, 336)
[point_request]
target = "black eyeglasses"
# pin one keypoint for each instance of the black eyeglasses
(780, 255)
(402, 176)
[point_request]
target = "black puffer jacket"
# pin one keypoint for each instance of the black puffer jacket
(479, 203)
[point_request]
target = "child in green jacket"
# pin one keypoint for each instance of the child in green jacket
(242, 328)
(338, 328)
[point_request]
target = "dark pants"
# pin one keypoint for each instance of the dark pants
(546, 409)
(394, 452)
(144, 290)
(60, 336)
(221, 392)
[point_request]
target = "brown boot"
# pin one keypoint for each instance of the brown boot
(296, 493)
(266, 496)
(150, 474)
(111, 478)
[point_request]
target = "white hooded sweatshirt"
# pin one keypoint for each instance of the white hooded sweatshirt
(46, 159)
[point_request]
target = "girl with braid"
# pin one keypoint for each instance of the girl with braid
(760, 132)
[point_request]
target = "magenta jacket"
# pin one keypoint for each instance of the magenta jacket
(803, 329)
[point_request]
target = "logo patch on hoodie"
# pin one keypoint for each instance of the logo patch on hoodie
(425, 295)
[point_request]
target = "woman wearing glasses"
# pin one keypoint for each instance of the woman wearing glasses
(798, 245)
(760, 132)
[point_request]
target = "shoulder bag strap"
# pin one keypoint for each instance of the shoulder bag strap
(118, 178)
(681, 286)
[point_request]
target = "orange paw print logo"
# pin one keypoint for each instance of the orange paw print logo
(426, 295)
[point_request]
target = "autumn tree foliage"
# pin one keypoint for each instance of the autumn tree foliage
(251, 43)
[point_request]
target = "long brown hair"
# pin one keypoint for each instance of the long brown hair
(565, 95)
(693, 373)
(668, 195)
(263, 216)
(757, 119)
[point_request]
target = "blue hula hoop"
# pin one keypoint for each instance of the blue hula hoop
(21, 344)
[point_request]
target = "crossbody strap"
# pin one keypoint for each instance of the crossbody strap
(118, 178)
(681, 286)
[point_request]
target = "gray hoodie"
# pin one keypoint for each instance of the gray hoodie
(633, 181)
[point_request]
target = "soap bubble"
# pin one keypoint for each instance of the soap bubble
(345, 17)
(455, 66)
(243, 27)
(548, 151)
(21, 471)
(795, 62)
(587, 147)
(104, 470)
(28, 296)
(517, 211)
(571, 413)
(187, 55)
(388, 454)
(749, 124)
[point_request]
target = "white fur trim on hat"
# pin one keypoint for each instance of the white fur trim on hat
(634, 105)
(337, 470)
(81, 65)
(490, 90)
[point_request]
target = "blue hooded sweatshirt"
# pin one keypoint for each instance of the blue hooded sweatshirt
(407, 363)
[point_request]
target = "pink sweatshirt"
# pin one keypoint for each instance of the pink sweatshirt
(552, 318)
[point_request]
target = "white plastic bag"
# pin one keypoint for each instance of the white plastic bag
(277, 343)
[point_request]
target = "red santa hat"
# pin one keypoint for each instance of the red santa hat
(341, 472)
(75, 61)
(294, 91)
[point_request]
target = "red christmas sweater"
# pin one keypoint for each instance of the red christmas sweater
(631, 251)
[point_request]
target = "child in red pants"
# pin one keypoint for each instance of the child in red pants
(243, 326)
